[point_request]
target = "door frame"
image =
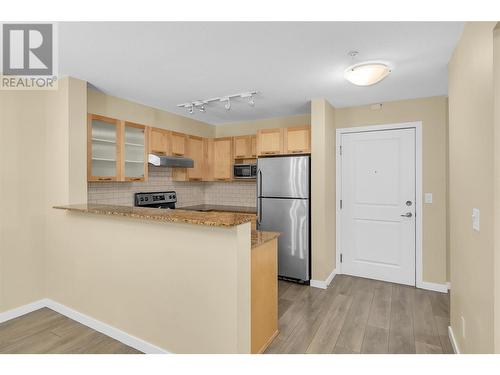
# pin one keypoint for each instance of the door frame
(417, 125)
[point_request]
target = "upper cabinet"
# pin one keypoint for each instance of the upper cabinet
(195, 152)
(178, 143)
(159, 141)
(116, 150)
(242, 147)
(297, 140)
(284, 141)
(269, 142)
(253, 146)
(223, 158)
(135, 160)
(103, 148)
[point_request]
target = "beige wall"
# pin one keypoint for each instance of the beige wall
(471, 185)
(22, 197)
(107, 105)
(251, 127)
(322, 189)
(432, 112)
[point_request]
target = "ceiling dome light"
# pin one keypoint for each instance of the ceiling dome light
(366, 74)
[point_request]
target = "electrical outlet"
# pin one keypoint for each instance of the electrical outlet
(463, 326)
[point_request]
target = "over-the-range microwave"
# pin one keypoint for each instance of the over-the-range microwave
(242, 171)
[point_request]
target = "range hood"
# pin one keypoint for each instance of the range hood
(170, 161)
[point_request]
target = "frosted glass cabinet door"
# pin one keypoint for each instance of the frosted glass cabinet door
(103, 134)
(135, 152)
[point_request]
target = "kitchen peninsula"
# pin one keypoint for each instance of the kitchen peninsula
(190, 281)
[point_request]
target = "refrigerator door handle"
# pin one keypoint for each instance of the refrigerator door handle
(259, 212)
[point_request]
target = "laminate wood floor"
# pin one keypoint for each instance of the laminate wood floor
(356, 315)
(45, 331)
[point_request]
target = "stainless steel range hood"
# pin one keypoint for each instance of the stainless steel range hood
(170, 161)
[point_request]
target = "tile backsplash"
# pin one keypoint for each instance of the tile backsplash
(188, 193)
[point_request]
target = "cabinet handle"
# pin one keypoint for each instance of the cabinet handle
(297, 151)
(177, 154)
(269, 152)
(240, 156)
(104, 178)
(136, 179)
(195, 178)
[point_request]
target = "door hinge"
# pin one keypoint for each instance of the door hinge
(341, 204)
(340, 258)
(340, 150)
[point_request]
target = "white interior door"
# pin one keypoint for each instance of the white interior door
(378, 205)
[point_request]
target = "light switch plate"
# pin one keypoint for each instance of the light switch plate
(476, 218)
(428, 198)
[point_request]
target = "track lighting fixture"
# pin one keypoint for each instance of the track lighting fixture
(201, 104)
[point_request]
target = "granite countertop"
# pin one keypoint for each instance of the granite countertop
(216, 219)
(220, 208)
(259, 237)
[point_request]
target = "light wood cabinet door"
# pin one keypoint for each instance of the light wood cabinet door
(195, 152)
(178, 144)
(297, 140)
(264, 295)
(104, 148)
(208, 157)
(269, 142)
(134, 151)
(158, 141)
(253, 146)
(242, 147)
(223, 158)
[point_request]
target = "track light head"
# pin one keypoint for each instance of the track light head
(191, 109)
(202, 108)
(227, 106)
(251, 101)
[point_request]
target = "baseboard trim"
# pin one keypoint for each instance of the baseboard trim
(86, 320)
(323, 284)
(443, 288)
(454, 343)
(22, 310)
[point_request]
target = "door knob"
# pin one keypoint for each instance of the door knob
(408, 214)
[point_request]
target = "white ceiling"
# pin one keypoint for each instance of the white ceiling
(290, 63)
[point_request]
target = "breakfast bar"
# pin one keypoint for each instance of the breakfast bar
(228, 271)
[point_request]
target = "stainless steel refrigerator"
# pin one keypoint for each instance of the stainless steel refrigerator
(283, 205)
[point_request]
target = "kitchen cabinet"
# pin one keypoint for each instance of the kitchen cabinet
(103, 148)
(178, 143)
(223, 158)
(134, 146)
(264, 295)
(116, 150)
(269, 142)
(195, 152)
(297, 140)
(253, 146)
(242, 147)
(208, 157)
(159, 141)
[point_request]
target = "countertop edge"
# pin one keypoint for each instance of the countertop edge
(175, 216)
